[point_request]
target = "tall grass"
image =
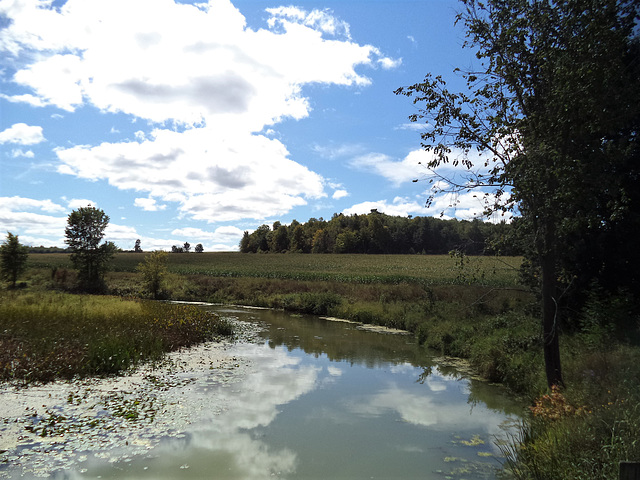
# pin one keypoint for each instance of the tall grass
(49, 335)
(585, 431)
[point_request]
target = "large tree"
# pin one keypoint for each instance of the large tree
(84, 232)
(13, 258)
(548, 123)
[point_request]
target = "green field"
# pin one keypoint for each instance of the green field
(363, 269)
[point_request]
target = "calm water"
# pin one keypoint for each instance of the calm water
(324, 399)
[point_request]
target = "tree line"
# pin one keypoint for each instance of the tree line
(378, 233)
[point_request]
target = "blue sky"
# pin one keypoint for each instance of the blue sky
(193, 122)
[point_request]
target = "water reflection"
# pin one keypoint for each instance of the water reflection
(327, 400)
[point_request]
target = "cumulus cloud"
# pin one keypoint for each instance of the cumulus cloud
(42, 222)
(195, 67)
(22, 134)
(22, 203)
(225, 236)
(397, 172)
(463, 206)
(34, 221)
(399, 206)
(148, 204)
(234, 178)
(338, 194)
(321, 20)
(18, 152)
(76, 203)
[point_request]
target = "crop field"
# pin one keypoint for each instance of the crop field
(360, 269)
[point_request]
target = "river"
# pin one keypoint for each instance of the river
(306, 398)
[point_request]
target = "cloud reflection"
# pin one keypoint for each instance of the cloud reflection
(436, 408)
(275, 380)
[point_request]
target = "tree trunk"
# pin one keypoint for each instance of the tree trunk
(550, 317)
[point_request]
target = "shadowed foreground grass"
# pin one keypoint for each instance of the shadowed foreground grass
(50, 335)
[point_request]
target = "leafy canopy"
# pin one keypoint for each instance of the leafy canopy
(84, 232)
(547, 126)
(13, 258)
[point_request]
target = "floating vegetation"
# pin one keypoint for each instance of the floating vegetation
(474, 442)
(59, 426)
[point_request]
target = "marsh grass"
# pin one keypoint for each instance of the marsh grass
(49, 335)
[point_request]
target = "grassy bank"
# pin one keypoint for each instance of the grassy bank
(469, 307)
(50, 335)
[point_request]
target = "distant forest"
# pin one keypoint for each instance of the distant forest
(379, 233)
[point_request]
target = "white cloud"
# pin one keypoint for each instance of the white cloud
(76, 203)
(388, 63)
(400, 206)
(212, 181)
(197, 67)
(338, 194)
(148, 204)
(34, 221)
(463, 206)
(397, 172)
(338, 151)
(22, 203)
(222, 235)
(418, 127)
(22, 134)
(182, 63)
(321, 20)
(25, 98)
(18, 152)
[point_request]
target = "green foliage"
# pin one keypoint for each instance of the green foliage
(54, 335)
(587, 430)
(376, 233)
(13, 258)
(153, 271)
(553, 111)
(315, 303)
(84, 232)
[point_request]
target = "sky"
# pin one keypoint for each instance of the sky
(194, 122)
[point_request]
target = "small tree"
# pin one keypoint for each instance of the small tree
(186, 247)
(199, 248)
(13, 258)
(84, 232)
(137, 248)
(154, 270)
